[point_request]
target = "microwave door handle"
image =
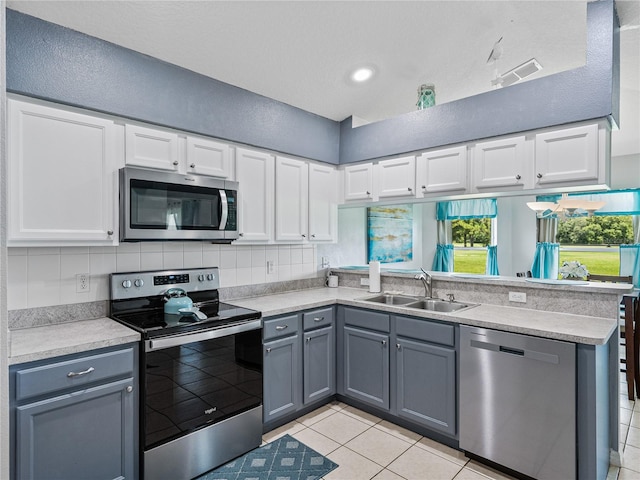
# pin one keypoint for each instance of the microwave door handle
(225, 210)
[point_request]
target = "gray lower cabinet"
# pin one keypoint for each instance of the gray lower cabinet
(282, 377)
(426, 388)
(319, 364)
(76, 417)
(366, 366)
(299, 361)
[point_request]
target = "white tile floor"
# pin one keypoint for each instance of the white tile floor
(367, 447)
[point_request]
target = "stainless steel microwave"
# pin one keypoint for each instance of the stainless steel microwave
(156, 205)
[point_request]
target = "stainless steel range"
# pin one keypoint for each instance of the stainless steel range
(200, 369)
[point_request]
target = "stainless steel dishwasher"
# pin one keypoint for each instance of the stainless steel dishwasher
(518, 402)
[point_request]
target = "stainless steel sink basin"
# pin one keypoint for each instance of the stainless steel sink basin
(436, 305)
(420, 303)
(390, 299)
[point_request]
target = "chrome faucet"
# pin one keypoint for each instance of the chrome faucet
(426, 280)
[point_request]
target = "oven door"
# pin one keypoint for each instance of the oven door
(197, 380)
(169, 206)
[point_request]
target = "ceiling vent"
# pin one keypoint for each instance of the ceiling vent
(521, 72)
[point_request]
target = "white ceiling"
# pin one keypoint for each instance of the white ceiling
(301, 52)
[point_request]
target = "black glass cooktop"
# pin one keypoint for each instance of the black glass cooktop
(153, 322)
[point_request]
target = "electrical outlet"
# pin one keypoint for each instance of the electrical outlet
(269, 267)
(82, 282)
(519, 297)
(364, 282)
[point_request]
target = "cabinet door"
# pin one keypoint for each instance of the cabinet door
(292, 197)
(147, 147)
(61, 177)
(501, 163)
(282, 377)
(255, 176)
(319, 364)
(567, 155)
(366, 366)
(323, 204)
(442, 171)
(358, 182)
(207, 157)
(86, 433)
(426, 385)
(396, 177)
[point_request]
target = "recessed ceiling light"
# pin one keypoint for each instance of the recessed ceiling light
(362, 74)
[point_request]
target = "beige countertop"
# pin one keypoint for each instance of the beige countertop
(29, 344)
(558, 326)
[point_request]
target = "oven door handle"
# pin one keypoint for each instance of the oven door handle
(177, 340)
(224, 204)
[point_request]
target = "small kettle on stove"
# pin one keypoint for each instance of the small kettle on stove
(175, 299)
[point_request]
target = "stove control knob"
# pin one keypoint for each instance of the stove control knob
(210, 276)
(126, 284)
(138, 282)
(201, 278)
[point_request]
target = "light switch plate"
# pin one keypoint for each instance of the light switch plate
(519, 297)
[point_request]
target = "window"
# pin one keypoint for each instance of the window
(470, 241)
(592, 241)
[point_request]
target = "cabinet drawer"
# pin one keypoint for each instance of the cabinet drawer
(279, 327)
(420, 329)
(317, 318)
(78, 372)
(366, 319)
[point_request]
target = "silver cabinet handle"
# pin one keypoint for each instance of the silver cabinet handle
(129, 389)
(539, 175)
(318, 319)
(268, 350)
(410, 189)
(398, 346)
(175, 162)
(109, 232)
(78, 374)
(281, 327)
(384, 342)
(518, 177)
(308, 339)
(193, 165)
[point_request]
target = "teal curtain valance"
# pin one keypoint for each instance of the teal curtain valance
(467, 209)
(618, 202)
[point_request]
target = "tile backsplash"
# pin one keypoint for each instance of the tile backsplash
(43, 276)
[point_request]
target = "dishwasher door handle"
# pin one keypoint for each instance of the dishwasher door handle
(512, 351)
(529, 354)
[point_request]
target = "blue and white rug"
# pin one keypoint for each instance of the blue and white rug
(282, 459)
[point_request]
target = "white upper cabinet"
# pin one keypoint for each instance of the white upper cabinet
(255, 176)
(396, 177)
(292, 197)
(568, 155)
(502, 163)
(62, 177)
(208, 157)
(148, 147)
(358, 182)
(323, 207)
(440, 171)
(166, 150)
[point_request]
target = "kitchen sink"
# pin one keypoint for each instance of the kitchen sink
(390, 299)
(437, 305)
(420, 303)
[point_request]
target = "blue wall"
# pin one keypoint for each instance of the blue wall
(48, 61)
